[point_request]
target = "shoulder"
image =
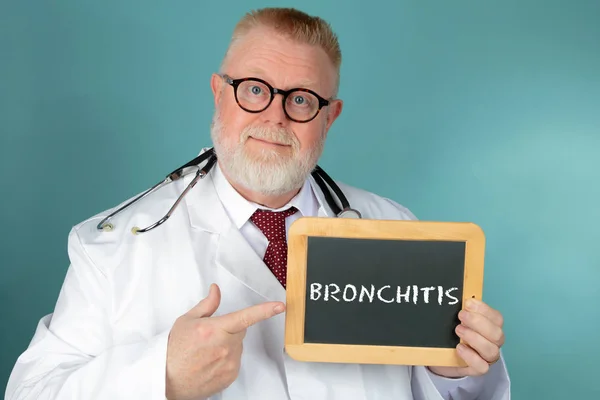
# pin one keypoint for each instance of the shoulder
(374, 206)
(87, 241)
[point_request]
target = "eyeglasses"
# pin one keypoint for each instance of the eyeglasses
(255, 95)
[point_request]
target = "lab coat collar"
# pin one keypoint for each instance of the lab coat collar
(324, 210)
(205, 210)
(231, 251)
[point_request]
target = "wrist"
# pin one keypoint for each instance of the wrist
(445, 372)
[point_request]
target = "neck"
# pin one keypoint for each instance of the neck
(266, 200)
(271, 201)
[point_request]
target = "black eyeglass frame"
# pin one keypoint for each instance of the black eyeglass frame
(235, 83)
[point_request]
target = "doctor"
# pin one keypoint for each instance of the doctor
(195, 308)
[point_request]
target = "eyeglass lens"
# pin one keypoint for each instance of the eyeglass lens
(255, 96)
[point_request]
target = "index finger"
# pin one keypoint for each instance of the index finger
(482, 308)
(238, 321)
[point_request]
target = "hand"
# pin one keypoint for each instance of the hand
(481, 332)
(204, 352)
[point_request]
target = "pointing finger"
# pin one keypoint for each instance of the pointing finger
(241, 320)
(208, 305)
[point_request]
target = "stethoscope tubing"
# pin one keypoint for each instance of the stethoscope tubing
(321, 177)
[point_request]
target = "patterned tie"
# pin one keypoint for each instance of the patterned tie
(272, 225)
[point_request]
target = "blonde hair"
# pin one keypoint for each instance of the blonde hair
(296, 25)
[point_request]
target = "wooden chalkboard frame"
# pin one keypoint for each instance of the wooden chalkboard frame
(304, 227)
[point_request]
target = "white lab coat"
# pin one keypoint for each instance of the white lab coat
(107, 337)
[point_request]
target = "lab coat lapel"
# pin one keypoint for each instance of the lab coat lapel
(233, 252)
(239, 258)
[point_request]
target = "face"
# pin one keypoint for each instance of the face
(267, 152)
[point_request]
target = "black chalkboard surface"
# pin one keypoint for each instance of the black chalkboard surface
(385, 292)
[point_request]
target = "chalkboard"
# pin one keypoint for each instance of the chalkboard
(371, 291)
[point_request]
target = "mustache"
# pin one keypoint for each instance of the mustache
(276, 135)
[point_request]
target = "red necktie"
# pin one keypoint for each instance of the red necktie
(272, 225)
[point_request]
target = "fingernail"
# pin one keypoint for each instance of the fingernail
(460, 329)
(462, 314)
(278, 308)
(461, 348)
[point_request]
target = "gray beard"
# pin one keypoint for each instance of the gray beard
(268, 173)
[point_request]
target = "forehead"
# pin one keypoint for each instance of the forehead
(282, 62)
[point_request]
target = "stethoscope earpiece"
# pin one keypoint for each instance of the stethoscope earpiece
(107, 227)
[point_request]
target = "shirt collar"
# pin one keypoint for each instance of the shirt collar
(240, 210)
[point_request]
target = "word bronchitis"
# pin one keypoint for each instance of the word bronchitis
(386, 294)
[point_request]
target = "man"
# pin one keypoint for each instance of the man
(194, 309)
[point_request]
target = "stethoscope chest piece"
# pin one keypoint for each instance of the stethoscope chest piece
(349, 213)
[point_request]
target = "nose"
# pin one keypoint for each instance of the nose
(274, 114)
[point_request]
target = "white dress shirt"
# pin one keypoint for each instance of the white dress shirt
(240, 210)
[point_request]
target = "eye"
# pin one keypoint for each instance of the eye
(256, 90)
(299, 100)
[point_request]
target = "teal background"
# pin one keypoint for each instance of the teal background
(462, 111)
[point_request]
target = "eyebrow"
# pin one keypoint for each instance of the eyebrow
(304, 83)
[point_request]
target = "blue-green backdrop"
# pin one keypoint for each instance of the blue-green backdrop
(461, 110)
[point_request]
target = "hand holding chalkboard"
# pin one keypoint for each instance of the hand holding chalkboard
(389, 292)
(481, 329)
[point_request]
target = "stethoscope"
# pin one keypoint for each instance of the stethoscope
(320, 176)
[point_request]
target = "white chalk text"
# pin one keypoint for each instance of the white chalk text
(412, 294)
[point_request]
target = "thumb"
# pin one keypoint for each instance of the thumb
(208, 305)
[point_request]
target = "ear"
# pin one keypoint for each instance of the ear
(335, 109)
(216, 84)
